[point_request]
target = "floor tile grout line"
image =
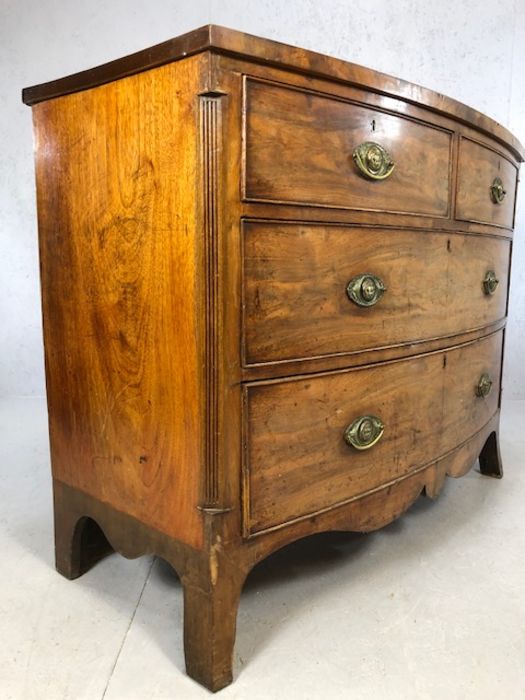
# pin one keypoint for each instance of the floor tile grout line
(117, 657)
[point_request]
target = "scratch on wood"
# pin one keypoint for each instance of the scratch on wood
(214, 564)
(110, 405)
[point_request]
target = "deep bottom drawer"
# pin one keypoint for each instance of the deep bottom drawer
(298, 461)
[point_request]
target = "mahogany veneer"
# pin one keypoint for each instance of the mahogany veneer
(274, 294)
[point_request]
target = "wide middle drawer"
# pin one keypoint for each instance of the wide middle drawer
(298, 281)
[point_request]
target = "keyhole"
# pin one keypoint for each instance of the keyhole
(373, 124)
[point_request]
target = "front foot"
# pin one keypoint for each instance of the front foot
(210, 617)
(490, 457)
(79, 541)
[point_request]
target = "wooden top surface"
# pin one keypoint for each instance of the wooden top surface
(245, 46)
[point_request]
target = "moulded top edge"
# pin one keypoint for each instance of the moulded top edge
(248, 47)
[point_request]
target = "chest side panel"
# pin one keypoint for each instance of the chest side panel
(121, 268)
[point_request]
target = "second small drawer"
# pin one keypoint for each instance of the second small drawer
(486, 185)
(315, 290)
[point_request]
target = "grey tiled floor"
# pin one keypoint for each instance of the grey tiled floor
(432, 606)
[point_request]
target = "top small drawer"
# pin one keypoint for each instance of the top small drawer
(300, 146)
(487, 184)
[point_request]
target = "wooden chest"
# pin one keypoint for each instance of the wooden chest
(274, 293)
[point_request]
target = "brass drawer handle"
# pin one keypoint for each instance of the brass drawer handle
(484, 386)
(365, 289)
(364, 432)
(497, 191)
(373, 160)
(490, 283)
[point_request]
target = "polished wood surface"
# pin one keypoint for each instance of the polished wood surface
(122, 286)
(211, 593)
(478, 166)
(295, 277)
(199, 217)
(315, 136)
(360, 358)
(297, 462)
(229, 42)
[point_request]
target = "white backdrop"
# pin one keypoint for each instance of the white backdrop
(473, 50)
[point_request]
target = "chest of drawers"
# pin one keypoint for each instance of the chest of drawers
(274, 295)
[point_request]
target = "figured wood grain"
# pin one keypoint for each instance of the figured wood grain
(360, 358)
(384, 104)
(477, 168)
(122, 277)
(211, 599)
(295, 278)
(162, 441)
(380, 507)
(229, 42)
(295, 212)
(315, 136)
(297, 462)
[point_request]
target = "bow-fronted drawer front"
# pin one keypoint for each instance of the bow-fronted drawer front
(314, 290)
(307, 148)
(313, 442)
(487, 183)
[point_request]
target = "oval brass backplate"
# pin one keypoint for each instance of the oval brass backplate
(490, 283)
(497, 191)
(365, 289)
(484, 386)
(364, 432)
(373, 160)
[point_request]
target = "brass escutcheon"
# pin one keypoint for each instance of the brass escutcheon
(373, 160)
(484, 386)
(366, 289)
(490, 282)
(364, 432)
(497, 191)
